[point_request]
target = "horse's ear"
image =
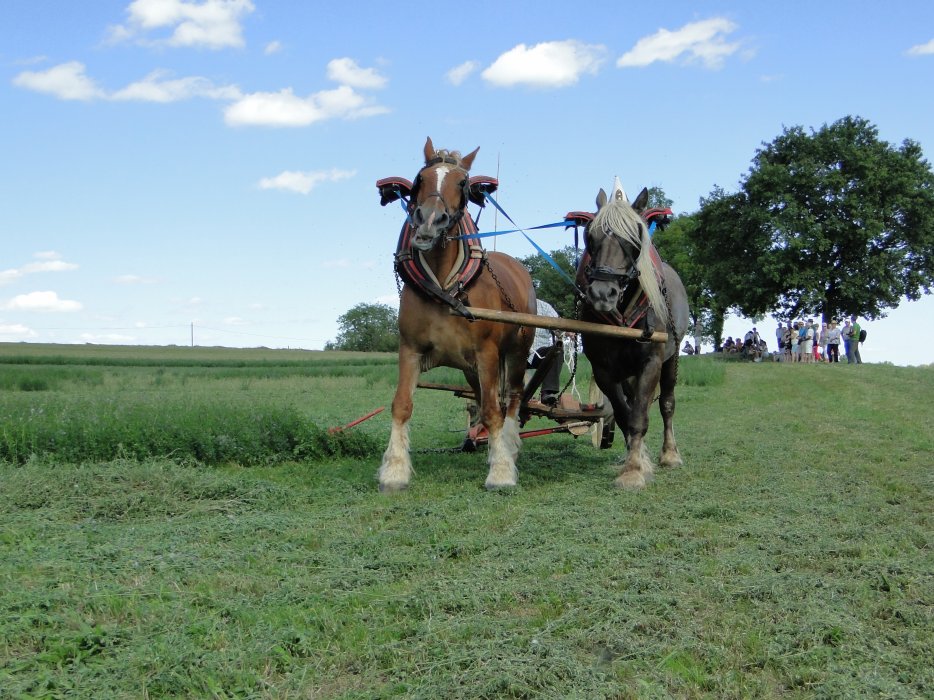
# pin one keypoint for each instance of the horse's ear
(601, 199)
(641, 202)
(467, 160)
(429, 150)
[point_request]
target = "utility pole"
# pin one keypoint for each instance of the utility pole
(192, 334)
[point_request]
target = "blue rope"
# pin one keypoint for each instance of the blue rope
(404, 203)
(487, 234)
(534, 244)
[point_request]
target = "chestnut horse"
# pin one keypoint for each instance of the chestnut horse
(624, 279)
(491, 355)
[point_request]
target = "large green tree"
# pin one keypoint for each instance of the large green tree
(550, 285)
(836, 221)
(675, 244)
(367, 327)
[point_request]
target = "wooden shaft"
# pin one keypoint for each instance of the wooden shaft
(564, 324)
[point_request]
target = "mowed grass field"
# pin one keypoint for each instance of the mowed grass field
(177, 522)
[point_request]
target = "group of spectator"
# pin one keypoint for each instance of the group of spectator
(808, 341)
(751, 346)
(799, 341)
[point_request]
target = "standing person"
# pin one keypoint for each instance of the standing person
(854, 343)
(795, 339)
(833, 343)
(847, 333)
(544, 340)
(815, 350)
(823, 343)
(786, 343)
(806, 340)
(779, 341)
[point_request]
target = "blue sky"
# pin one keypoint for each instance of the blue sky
(176, 162)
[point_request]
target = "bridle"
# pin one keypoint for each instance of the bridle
(604, 273)
(457, 215)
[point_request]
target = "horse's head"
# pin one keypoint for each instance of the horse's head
(439, 194)
(614, 242)
(618, 244)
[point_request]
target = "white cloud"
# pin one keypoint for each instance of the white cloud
(8, 276)
(283, 108)
(66, 81)
(213, 24)
(303, 182)
(11, 332)
(703, 42)
(459, 74)
(235, 321)
(48, 263)
(346, 72)
(42, 301)
(156, 87)
(48, 266)
(273, 47)
(548, 65)
(922, 49)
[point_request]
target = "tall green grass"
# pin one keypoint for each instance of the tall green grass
(206, 432)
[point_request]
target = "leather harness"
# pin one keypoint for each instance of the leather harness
(410, 263)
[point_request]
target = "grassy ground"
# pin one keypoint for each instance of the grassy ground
(790, 557)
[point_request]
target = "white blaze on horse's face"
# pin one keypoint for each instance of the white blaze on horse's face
(431, 215)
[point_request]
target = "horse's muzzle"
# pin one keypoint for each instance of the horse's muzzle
(603, 295)
(425, 237)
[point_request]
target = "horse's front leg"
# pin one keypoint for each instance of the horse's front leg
(504, 430)
(638, 467)
(670, 456)
(396, 469)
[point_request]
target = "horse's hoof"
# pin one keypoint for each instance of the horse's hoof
(490, 486)
(392, 486)
(670, 460)
(630, 481)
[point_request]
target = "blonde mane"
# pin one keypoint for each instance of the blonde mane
(618, 218)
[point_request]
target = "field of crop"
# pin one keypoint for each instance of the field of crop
(178, 522)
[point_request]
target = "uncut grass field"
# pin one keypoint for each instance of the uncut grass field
(179, 522)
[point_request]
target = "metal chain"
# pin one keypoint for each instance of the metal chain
(505, 295)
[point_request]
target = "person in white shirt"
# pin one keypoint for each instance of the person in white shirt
(833, 342)
(544, 340)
